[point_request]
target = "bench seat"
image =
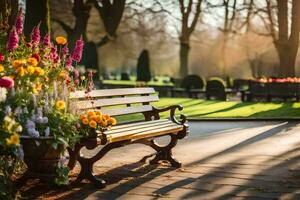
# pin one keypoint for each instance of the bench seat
(135, 131)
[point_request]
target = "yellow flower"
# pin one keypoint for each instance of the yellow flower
(1, 68)
(93, 124)
(39, 71)
(13, 140)
(85, 121)
(62, 75)
(112, 121)
(60, 105)
(37, 87)
(30, 69)
(21, 71)
(18, 63)
(82, 78)
(32, 61)
(61, 40)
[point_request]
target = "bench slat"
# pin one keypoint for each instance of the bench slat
(138, 127)
(112, 92)
(125, 111)
(89, 104)
(155, 131)
(138, 124)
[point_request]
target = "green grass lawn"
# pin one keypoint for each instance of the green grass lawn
(201, 109)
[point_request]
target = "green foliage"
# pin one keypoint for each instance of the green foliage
(143, 67)
(193, 81)
(62, 175)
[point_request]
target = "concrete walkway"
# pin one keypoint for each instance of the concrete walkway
(221, 160)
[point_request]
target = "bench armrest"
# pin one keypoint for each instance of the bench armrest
(172, 110)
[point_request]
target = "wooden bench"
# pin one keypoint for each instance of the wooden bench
(128, 101)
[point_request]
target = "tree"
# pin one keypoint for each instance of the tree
(143, 67)
(9, 7)
(284, 29)
(37, 11)
(189, 21)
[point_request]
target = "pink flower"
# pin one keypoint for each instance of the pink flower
(76, 73)
(19, 22)
(36, 35)
(13, 40)
(77, 53)
(6, 82)
(65, 50)
(46, 40)
(69, 63)
(1, 57)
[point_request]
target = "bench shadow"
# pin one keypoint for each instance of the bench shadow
(132, 175)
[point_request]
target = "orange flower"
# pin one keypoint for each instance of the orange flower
(112, 121)
(18, 63)
(21, 71)
(61, 40)
(91, 113)
(1, 68)
(107, 117)
(32, 61)
(103, 122)
(93, 117)
(93, 124)
(98, 112)
(81, 117)
(85, 121)
(98, 119)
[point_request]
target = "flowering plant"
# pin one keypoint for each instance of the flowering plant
(96, 120)
(36, 77)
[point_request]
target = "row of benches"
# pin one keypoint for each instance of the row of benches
(271, 90)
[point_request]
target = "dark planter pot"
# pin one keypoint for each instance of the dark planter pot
(42, 158)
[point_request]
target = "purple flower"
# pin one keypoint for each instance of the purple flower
(36, 35)
(53, 53)
(77, 53)
(19, 22)
(13, 40)
(46, 40)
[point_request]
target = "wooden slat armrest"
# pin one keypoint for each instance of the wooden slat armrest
(172, 110)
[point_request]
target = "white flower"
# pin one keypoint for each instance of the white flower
(62, 161)
(3, 94)
(19, 129)
(47, 131)
(7, 110)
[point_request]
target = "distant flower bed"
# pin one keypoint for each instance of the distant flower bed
(279, 80)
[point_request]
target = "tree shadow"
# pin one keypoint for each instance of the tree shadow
(253, 187)
(236, 106)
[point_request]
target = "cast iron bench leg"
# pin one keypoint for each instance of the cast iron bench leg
(163, 153)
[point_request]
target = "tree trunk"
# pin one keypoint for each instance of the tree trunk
(184, 54)
(13, 6)
(37, 11)
(287, 58)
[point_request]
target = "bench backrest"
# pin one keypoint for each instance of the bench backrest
(114, 102)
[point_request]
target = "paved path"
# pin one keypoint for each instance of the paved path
(222, 160)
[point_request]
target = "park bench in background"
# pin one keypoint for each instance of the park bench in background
(132, 100)
(272, 90)
(191, 86)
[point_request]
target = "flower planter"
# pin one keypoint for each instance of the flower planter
(41, 158)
